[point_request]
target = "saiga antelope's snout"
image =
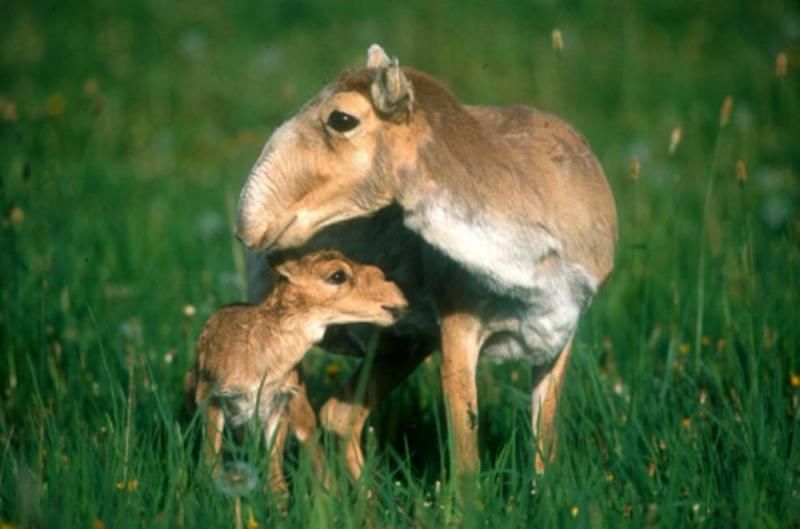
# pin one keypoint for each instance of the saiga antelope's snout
(329, 162)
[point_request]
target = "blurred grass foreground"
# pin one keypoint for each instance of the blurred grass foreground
(127, 130)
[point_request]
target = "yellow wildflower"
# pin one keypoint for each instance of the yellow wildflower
(741, 172)
(8, 109)
(781, 65)
(557, 40)
(91, 87)
(55, 105)
(675, 139)
(251, 520)
(635, 167)
(333, 369)
(725, 111)
(132, 485)
(16, 216)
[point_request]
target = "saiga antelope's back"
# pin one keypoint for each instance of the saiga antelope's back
(576, 202)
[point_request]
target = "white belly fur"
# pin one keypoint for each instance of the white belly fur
(242, 406)
(517, 263)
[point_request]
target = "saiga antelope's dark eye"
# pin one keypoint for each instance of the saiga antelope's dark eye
(337, 278)
(341, 122)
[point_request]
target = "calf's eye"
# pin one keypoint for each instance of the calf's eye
(337, 278)
(342, 122)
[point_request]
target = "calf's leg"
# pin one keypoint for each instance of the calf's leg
(346, 412)
(300, 419)
(544, 403)
(215, 424)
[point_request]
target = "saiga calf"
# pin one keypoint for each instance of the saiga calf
(246, 354)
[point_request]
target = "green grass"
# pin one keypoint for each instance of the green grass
(134, 129)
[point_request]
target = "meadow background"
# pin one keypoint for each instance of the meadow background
(127, 130)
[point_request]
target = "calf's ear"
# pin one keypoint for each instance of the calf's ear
(391, 91)
(287, 270)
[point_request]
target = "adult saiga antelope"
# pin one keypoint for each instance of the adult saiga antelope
(497, 223)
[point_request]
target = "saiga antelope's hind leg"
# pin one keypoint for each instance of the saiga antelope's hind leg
(344, 414)
(547, 382)
(460, 350)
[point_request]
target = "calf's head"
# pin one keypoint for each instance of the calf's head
(337, 290)
(331, 161)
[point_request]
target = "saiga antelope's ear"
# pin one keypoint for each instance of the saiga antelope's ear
(391, 91)
(376, 57)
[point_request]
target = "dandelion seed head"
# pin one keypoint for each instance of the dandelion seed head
(237, 479)
(131, 329)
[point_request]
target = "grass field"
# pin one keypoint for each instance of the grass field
(127, 132)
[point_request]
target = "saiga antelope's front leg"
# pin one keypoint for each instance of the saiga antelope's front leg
(460, 349)
(547, 382)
